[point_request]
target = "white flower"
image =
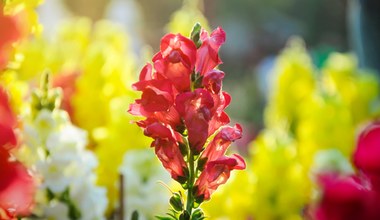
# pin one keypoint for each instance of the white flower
(44, 122)
(56, 210)
(53, 175)
(90, 199)
(68, 139)
(331, 160)
(31, 136)
(63, 163)
(142, 172)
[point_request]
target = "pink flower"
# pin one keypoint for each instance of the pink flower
(171, 158)
(215, 174)
(367, 154)
(212, 81)
(157, 98)
(176, 60)
(221, 101)
(166, 143)
(345, 198)
(16, 185)
(196, 110)
(208, 53)
(218, 146)
(7, 122)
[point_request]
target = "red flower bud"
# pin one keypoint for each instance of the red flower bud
(208, 53)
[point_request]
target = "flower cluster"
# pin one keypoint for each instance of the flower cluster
(55, 151)
(355, 196)
(183, 102)
(17, 186)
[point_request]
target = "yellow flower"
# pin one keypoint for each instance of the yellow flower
(294, 82)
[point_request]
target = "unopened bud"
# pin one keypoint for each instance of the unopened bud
(197, 215)
(195, 35)
(184, 216)
(176, 202)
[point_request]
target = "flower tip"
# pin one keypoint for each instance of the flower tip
(219, 36)
(240, 162)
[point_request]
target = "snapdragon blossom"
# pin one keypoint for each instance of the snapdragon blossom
(56, 152)
(183, 104)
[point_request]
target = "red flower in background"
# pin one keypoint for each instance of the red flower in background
(66, 81)
(354, 197)
(367, 154)
(184, 105)
(345, 198)
(11, 30)
(7, 122)
(16, 185)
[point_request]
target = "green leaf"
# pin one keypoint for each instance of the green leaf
(50, 195)
(176, 202)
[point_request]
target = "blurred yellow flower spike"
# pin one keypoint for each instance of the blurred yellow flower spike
(61, 54)
(280, 189)
(102, 97)
(309, 110)
(16, 88)
(234, 200)
(355, 88)
(184, 19)
(294, 81)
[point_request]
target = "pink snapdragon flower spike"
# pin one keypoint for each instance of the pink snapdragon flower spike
(183, 105)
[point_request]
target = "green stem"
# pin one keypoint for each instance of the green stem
(190, 199)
